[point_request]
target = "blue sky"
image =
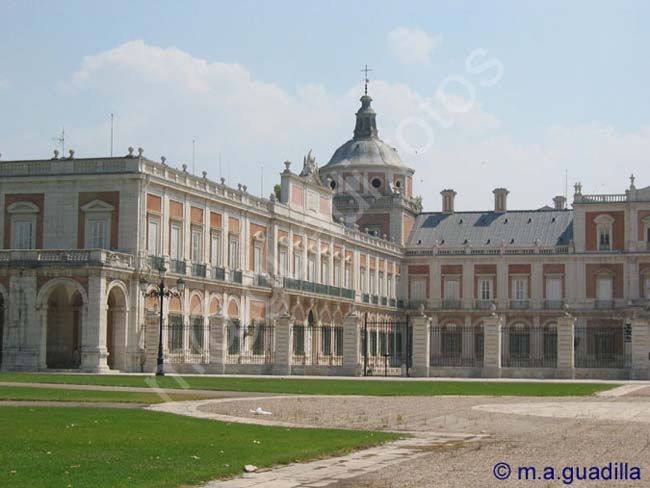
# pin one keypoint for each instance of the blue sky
(256, 83)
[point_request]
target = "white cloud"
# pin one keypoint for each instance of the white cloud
(412, 46)
(164, 98)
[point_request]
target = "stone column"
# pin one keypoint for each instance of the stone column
(492, 346)
(640, 349)
(421, 328)
(283, 345)
(352, 333)
(93, 327)
(218, 344)
(565, 346)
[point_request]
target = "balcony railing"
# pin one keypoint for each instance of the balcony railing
(156, 262)
(236, 276)
(604, 304)
(384, 301)
(519, 304)
(365, 298)
(451, 303)
(177, 266)
(262, 280)
(553, 304)
(416, 304)
(392, 302)
(219, 273)
(198, 270)
(308, 286)
(375, 300)
(483, 304)
(65, 257)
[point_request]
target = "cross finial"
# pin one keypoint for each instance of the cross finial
(365, 71)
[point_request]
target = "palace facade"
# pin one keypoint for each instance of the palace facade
(340, 272)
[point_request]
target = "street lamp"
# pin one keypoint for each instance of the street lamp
(161, 292)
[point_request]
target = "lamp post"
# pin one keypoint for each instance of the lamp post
(161, 292)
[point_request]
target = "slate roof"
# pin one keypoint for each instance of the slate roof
(519, 228)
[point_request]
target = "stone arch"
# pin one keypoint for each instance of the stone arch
(196, 305)
(117, 310)
(519, 323)
(338, 318)
(325, 317)
(45, 291)
(233, 309)
(215, 305)
(311, 318)
(63, 303)
(298, 314)
(175, 305)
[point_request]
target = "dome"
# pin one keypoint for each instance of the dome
(366, 152)
(365, 148)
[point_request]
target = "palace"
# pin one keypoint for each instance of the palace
(340, 272)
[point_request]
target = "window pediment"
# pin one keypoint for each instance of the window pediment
(604, 219)
(97, 206)
(22, 208)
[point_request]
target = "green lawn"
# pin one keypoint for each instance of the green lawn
(58, 395)
(322, 387)
(95, 447)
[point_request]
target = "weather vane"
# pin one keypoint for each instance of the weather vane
(366, 70)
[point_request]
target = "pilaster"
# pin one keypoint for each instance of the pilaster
(218, 344)
(283, 345)
(565, 346)
(352, 345)
(421, 344)
(492, 326)
(640, 349)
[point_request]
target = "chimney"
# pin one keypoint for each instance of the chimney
(500, 199)
(448, 200)
(559, 202)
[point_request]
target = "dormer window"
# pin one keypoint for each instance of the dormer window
(97, 227)
(604, 225)
(23, 225)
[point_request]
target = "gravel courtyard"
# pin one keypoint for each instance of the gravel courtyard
(583, 435)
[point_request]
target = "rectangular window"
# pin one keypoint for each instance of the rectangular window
(519, 289)
(197, 246)
(451, 290)
(324, 270)
(257, 259)
(348, 276)
(175, 242)
(337, 273)
(234, 253)
(373, 282)
(311, 269)
(418, 289)
(605, 288)
(215, 244)
(554, 288)
(153, 237)
(282, 262)
(646, 287)
(23, 234)
(297, 265)
(604, 238)
(98, 230)
(485, 289)
(362, 278)
(390, 286)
